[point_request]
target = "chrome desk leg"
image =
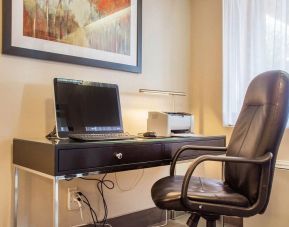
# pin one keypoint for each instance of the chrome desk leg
(16, 194)
(55, 202)
(165, 223)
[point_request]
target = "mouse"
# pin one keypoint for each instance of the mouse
(149, 134)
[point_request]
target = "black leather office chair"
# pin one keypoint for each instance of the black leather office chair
(249, 161)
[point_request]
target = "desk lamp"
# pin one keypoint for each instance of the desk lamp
(161, 92)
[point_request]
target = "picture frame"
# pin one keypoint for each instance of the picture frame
(84, 33)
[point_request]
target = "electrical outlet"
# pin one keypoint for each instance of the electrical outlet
(71, 203)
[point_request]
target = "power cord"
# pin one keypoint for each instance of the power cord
(101, 185)
(80, 210)
(78, 201)
(138, 179)
(81, 197)
(52, 134)
(96, 223)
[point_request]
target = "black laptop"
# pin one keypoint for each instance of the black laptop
(88, 111)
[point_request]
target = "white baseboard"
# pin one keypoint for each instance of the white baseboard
(282, 164)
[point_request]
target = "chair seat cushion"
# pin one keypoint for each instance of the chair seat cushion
(166, 193)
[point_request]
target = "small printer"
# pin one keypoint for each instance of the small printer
(166, 124)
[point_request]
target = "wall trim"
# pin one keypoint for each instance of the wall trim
(282, 164)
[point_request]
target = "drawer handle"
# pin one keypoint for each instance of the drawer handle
(118, 155)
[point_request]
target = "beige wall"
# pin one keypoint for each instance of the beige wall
(207, 100)
(169, 64)
(207, 66)
(27, 110)
(206, 87)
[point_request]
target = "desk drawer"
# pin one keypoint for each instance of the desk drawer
(190, 154)
(98, 157)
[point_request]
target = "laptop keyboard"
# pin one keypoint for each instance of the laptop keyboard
(99, 137)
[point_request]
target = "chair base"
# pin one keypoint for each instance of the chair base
(194, 219)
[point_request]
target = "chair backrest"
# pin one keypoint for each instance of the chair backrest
(258, 130)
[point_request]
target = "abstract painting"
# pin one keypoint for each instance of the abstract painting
(101, 33)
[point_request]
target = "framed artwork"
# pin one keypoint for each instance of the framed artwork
(99, 33)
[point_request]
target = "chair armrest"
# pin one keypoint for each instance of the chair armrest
(262, 160)
(191, 147)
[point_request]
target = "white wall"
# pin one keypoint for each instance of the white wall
(27, 110)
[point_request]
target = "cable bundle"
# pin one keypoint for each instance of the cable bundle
(101, 185)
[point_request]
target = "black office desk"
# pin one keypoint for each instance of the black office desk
(59, 160)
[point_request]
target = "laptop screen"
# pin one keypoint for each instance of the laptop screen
(86, 107)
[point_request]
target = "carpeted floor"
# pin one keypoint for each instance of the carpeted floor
(181, 222)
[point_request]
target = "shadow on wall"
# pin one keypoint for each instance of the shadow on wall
(49, 115)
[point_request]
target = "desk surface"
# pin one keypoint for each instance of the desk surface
(68, 157)
(70, 142)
